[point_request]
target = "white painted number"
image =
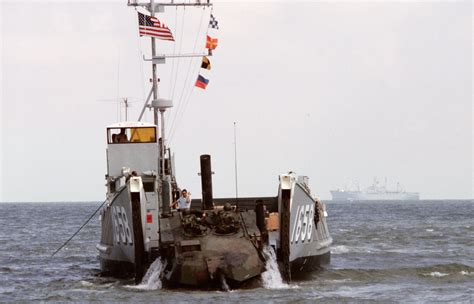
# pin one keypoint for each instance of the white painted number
(303, 226)
(122, 232)
(305, 222)
(310, 222)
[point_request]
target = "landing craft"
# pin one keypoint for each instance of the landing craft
(217, 239)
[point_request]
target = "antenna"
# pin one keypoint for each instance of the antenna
(235, 164)
(125, 102)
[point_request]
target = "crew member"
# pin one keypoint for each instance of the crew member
(184, 201)
(122, 136)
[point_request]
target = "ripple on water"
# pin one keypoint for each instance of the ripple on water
(370, 260)
(436, 274)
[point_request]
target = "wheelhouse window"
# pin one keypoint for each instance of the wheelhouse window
(131, 135)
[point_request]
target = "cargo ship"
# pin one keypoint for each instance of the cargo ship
(376, 192)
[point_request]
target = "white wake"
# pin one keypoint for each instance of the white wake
(151, 280)
(272, 277)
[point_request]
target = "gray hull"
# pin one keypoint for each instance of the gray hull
(117, 239)
(311, 238)
(122, 249)
(304, 239)
(300, 238)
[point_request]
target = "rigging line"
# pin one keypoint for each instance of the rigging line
(174, 51)
(186, 99)
(196, 72)
(185, 102)
(179, 51)
(187, 75)
(189, 93)
(174, 78)
(83, 225)
(173, 65)
(179, 101)
(181, 116)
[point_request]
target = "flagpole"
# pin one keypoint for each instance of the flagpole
(155, 96)
(161, 156)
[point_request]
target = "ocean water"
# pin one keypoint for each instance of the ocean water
(382, 252)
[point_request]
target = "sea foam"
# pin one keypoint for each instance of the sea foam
(151, 280)
(272, 277)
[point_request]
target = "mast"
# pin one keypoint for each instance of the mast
(160, 104)
(154, 80)
(155, 98)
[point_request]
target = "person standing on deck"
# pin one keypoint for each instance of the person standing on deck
(184, 201)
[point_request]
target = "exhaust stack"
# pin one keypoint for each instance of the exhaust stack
(206, 182)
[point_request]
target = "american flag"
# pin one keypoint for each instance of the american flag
(151, 26)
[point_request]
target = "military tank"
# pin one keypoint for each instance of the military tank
(204, 246)
(217, 240)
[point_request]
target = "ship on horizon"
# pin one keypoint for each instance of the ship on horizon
(375, 192)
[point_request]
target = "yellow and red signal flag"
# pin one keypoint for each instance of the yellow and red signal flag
(211, 43)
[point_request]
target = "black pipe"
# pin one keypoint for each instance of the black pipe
(138, 237)
(206, 182)
(285, 219)
(166, 195)
(260, 215)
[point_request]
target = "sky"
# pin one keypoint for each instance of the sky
(339, 91)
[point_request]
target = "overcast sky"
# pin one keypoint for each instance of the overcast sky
(337, 91)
